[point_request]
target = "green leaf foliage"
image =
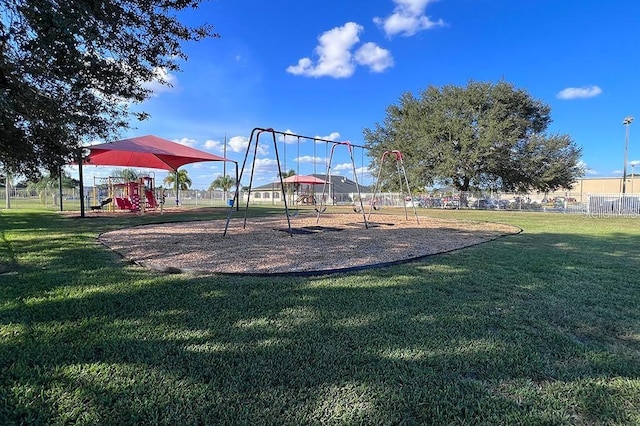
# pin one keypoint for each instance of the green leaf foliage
(126, 174)
(480, 136)
(70, 70)
(49, 182)
(180, 178)
(224, 183)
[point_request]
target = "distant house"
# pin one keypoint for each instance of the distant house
(339, 189)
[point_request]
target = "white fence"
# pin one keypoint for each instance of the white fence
(604, 205)
(596, 205)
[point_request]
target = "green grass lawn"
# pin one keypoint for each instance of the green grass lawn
(537, 328)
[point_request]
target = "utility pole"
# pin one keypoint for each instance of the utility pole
(224, 154)
(627, 121)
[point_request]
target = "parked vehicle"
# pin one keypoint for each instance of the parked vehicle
(451, 203)
(484, 204)
(415, 202)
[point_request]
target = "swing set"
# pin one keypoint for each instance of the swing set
(403, 181)
(254, 140)
(322, 207)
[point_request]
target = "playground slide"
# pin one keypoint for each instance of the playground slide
(152, 203)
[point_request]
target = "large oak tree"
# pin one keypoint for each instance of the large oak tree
(69, 71)
(480, 136)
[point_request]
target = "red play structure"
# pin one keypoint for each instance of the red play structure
(145, 151)
(137, 196)
(134, 196)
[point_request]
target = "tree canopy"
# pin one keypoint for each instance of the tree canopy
(480, 136)
(49, 182)
(222, 182)
(69, 72)
(127, 174)
(179, 180)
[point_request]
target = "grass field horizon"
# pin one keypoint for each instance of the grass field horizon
(537, 328)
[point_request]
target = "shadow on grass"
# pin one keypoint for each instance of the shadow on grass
(530, 329)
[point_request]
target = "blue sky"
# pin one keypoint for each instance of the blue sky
(331, 68)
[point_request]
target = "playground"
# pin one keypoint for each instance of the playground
(117, 193)
(311, 241)
(335, 242)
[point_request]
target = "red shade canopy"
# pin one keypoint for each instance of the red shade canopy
(310, 180)
(147, 151)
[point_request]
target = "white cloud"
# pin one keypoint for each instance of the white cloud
(333, 136)
(265, 171)
(185, 141)
(214, 145)
(587, 170)
(375, 57)
(579, 92)
(335, 57)
(408, 18)
(239, 144)
(288, 139)
(310, 159)
(164, 81)
(364, 172)
(344, 166)
(266, 164)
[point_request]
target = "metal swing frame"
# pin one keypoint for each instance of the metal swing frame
(404, 182)
(254, 142)
(236, 196)
(323, 206)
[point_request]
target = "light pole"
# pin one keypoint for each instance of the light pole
(627, 121)
(633, 165)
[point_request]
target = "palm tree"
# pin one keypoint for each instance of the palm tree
(180, 180)
(48, 183)
(222, 182)
(128, 175)
(42, 187)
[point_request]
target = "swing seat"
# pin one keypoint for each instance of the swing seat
(102, 204)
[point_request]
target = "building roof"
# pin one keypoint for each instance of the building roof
(338, 184)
